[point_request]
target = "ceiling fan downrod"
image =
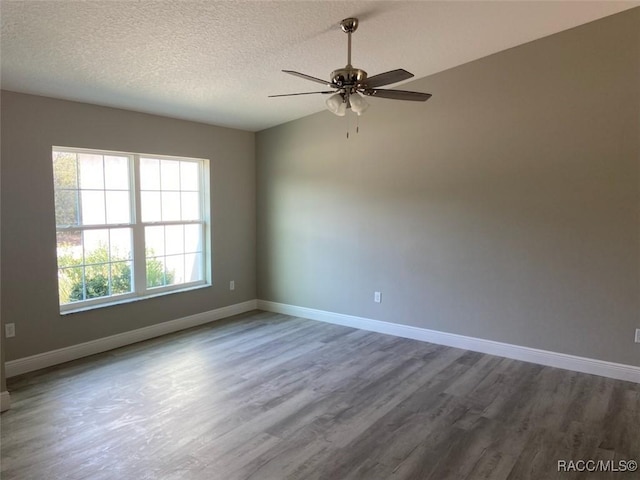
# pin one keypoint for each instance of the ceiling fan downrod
(349, 25)
(348, 79)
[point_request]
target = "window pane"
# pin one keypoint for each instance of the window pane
(120, 244)
(116, 173)
(192, 238)
(174, 239)
(155, 272)
(66, 207)
(169, 175)
(69, 248)
(95, 191)
(71, 284)
(170, 206)
(154, 241)
(92, 207)
(64, 170)
(189, 176)
(193, 267)
(118, 210)
(91, 171)
(190, 205)
(149, 174)
(96, 246)
(96, 280)
(151, 206)
(120, 277)
(175, 269)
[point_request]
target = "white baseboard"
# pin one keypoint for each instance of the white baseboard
(542, 357)
(54, 357)
(5, 401)
(618, 371)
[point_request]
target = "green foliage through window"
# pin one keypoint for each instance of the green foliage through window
(102, 276)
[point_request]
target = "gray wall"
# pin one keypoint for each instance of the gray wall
(3, 380)
(505, 208)
(30, 126)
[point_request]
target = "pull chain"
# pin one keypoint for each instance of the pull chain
(349, 123)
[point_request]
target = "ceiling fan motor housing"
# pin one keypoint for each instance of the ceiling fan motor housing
(348, 77)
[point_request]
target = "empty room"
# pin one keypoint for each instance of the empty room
(330, 240)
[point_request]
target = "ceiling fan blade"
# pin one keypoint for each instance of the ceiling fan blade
(303, 93)
(307, 77)
(399, 95)
(387, 78)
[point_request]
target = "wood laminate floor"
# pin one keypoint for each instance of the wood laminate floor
(265, 396)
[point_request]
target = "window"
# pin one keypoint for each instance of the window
(128, 225)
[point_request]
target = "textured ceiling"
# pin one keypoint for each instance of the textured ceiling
(216, 62)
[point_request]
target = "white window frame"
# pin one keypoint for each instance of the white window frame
(138, 261)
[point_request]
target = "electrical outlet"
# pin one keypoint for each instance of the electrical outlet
(637, 335)
(10, 330)
(377, 297)
(232, 285)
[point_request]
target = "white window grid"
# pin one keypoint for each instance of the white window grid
(137, 226)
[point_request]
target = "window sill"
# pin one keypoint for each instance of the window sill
(124, 301)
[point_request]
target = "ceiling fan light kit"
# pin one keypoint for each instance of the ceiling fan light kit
(358, 103)
(349, 84)
(336, 104)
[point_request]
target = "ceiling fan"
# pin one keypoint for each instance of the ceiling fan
(349, 83)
